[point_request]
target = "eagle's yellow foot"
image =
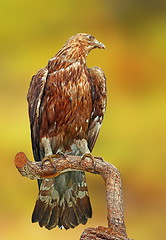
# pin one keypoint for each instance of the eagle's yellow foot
(48, 159)
(89, 155)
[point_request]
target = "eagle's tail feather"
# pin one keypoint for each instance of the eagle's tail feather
(63, 201)
(43, 206)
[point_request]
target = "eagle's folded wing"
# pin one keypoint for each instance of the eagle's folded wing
(98, 85)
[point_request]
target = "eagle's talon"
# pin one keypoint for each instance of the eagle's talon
(100, 158)
(89, 155)
(48, 159)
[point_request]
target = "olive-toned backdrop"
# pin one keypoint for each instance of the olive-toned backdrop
(133, 134)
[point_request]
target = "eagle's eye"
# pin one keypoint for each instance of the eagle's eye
(90, 37)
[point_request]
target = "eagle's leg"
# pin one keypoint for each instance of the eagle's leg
(83, 148)
(48, 152)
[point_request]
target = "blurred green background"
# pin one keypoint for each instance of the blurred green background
(133, 134)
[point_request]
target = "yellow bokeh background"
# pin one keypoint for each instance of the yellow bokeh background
(133, 134)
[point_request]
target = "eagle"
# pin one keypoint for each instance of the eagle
(66, 102)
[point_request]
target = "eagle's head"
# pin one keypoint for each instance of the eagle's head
(84, 42)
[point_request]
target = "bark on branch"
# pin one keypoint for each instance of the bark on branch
(116, 227)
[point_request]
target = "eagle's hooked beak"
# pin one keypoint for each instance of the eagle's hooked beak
(98, 44)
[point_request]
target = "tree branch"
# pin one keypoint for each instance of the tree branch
(116, 227)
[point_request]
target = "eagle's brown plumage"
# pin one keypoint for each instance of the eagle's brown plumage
(66, 107)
